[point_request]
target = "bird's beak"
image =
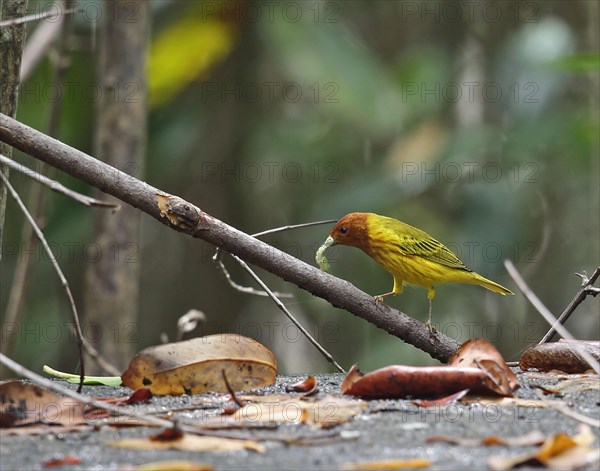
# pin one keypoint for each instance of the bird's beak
(329, 242)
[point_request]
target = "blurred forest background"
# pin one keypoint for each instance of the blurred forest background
(475, 121)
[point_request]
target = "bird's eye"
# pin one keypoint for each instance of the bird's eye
(343, 230)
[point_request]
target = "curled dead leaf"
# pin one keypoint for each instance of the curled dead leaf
(477, 367)
(308, 386)
(397, 381)
(562, 356)
(196, 366)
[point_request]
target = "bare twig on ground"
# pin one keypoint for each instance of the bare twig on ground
(546, 314)
(185, 217)
(585, 290)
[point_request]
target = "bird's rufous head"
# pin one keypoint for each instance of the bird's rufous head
(351, 230)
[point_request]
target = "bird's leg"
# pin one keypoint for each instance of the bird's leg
(430, 296)
(397, 289)
(379, 297)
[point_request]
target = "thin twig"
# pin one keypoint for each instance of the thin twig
(546, 314)
(63, 280)
(281, 306)
(585, 290)
(102, 362)
(230, 390)
(293, 226)
(218, 259)
(56, 186)
(39, 16)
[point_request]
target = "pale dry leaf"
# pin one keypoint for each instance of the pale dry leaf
(324, 413)
(189, 443)
(196, 366)
(175, 465)
(559, 451)
(414, 463)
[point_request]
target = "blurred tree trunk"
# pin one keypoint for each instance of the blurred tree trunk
(12, 39)
(112, 280)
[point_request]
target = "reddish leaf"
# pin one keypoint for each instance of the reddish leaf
(476, 366)
(167, 435)
(308, 386)
(420, 381)
(54, 463)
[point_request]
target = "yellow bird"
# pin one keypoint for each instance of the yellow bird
(411, 255)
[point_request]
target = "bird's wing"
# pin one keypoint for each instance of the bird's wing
(429, 249)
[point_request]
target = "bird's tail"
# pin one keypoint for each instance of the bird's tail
(477, 279)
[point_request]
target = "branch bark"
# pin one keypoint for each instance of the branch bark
(185, 217)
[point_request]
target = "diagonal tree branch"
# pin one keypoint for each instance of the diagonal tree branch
(185, 217)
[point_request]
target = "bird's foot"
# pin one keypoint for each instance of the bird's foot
(431, 327)
(378, 299)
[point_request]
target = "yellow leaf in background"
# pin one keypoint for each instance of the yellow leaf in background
(184, 51)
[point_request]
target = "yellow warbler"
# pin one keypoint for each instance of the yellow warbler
(409, 254)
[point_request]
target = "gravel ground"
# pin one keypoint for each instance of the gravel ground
(389, 429)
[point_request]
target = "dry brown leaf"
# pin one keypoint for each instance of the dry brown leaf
(327, 412)
(476, 366)
(480, 353)
(562, 356)
(189, 443)
(24, 403)
(388, 464)
(532, 438)
(418, 381)
(196, 366)
(65, 460)
(559, 451)
(308, 386)
(176, 465)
